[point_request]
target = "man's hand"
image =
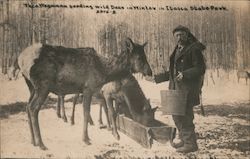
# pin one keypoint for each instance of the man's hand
(150, 78)
(179, 77)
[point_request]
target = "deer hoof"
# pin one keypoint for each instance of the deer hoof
(65, 119)
(33, 142)
(87, 142)
(58, 115)
(117, 136)
(72, 122)
(42, 147)
(91, 123)
(101, 126)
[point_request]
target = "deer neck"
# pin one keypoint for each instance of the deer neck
(117, 67)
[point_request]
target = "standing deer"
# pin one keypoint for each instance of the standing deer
(129, 99)
(64, 71)
(243, 74)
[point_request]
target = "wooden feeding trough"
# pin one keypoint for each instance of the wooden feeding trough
(144, 135)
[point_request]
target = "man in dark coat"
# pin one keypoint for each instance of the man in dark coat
(186, 71)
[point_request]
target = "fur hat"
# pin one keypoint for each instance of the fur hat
(181, 28)
(191, 37)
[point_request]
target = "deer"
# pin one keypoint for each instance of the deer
(128, 96)
(60, 70)
(243, 74)
(129, 99)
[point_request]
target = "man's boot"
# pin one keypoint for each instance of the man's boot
(178, 142)
(190, 144)
(186, 148)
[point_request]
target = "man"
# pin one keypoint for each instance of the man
(187, 67)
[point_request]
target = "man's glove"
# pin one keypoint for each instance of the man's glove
(150, 78)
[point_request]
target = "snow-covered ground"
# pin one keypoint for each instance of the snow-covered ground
(221, 134)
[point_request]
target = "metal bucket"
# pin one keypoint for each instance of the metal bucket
(173, 102)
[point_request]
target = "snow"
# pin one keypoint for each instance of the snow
(220, 136)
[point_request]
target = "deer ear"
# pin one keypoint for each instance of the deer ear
(145, 44)
(129, 44)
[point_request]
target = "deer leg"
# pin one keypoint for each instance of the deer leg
(90, 120)
(107, 114)
(63, 109)
(29, 119)
(31, 128)
(72, 119)
(86, 113)
(58, 108)
(34, 107)
(16, 73)
(113, 118)
(100, 115)
(31, 89)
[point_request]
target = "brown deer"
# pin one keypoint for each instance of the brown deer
(243, 74)
(129, 98)
(64, 71)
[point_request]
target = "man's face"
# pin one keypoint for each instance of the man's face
(181, 37)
